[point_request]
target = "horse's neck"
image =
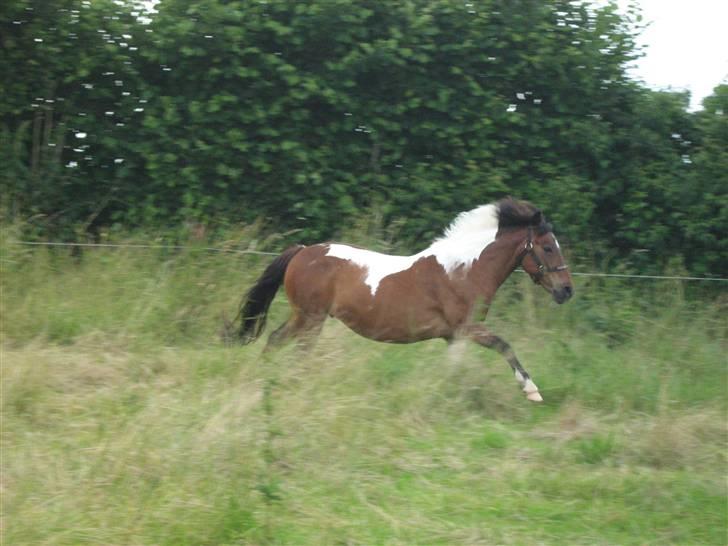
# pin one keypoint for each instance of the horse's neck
(495, 264)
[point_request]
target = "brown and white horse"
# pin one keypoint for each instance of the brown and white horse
(403, 299)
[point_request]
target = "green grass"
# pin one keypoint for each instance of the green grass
(125, 421)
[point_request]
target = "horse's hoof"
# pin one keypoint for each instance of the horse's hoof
(534, 396)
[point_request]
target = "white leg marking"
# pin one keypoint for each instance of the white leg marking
(531, 391)
(519, 377)
(456, 351)
(529, 387)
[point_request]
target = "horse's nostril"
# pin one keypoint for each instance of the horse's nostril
(568, 291)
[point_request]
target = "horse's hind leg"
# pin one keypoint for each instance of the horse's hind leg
(481, 335)
(301, 327)
(277, 336)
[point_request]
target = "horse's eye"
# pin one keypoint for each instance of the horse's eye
(548, 249)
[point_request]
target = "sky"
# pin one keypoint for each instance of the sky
(686, 46)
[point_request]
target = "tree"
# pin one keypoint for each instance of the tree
(706, 194)
(309, 113)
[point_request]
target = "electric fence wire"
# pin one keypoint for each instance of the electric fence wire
(263, 253)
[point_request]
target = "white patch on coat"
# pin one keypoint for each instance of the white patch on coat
(377, 265)
(465, 239)
(463, 242)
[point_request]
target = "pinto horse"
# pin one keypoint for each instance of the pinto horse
(403, 299)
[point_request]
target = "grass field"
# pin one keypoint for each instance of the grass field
(126, 421)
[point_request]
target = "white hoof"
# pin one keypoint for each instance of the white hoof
(531, 391)
(534, 396)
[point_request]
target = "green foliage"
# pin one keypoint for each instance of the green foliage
(306, 114)
(64, 110)
(705, 232)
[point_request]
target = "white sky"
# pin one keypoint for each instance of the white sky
(686, 46)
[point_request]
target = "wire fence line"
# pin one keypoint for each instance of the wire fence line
(648, 277)
(134, 245)
(263, 253)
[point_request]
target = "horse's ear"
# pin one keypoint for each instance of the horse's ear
(537, 218)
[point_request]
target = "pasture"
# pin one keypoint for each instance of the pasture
(126, 421)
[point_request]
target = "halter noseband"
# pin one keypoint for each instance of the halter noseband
(541, 269)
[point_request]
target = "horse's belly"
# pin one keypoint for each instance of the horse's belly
(391, 333)
(390, 323)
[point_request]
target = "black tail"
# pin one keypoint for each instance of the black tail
(254, 309)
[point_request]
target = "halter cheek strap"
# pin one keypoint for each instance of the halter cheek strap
(541, 269)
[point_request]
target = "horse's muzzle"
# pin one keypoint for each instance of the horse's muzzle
(562, 294)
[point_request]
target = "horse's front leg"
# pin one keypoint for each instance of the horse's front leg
(481, 335)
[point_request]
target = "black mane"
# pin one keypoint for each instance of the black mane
(513, 214)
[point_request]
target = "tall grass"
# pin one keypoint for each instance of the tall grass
(126, 421)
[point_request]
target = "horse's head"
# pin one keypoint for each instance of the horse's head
(541, 258)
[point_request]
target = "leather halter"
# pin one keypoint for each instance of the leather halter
(541, 269)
